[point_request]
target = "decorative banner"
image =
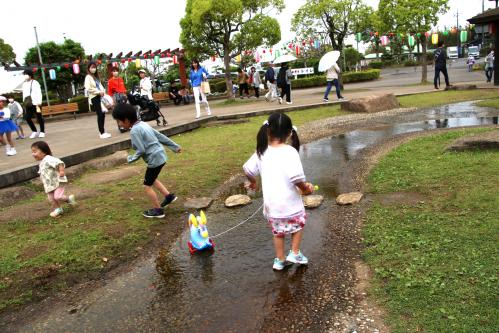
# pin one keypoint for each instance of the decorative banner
(156, 59)
(464, 36)
(302, 71)
(434, 39)
(358, 37)
(384, 40)
(137, 63)
(411, 40)
(52, 74)
(76, 69)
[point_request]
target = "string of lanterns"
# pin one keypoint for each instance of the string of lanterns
(411, 40)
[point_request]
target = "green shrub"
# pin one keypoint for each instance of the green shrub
(218, 86)
(410, 63)
(376, 64)
(348, 77)
(82, 102)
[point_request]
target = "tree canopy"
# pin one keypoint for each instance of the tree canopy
(7, 54)
(227, 28)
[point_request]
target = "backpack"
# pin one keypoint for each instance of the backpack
(281, 77)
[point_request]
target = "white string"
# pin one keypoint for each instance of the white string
(237, 225)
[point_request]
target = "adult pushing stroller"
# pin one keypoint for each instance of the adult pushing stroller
(147, 110)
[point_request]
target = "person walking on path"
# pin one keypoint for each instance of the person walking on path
(116, 87)
(96, 91)
(197, 76)
(255, 81)
(271, 95)
(145, 84)
(7, 126)
(283, 182)
(53, 177)
(284, 81)
(440, 57)
(32, 99)
(470, 62)
(489, 65)
(242, 80)
(16, 115)
(332, 79)
(147, 144)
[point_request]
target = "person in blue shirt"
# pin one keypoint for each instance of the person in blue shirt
(198, 75)
(147, 144)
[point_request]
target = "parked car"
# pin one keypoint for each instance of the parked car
(474, 51)
(452, 52)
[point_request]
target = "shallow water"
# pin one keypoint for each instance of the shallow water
(234, 288)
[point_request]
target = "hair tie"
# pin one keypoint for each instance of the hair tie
(266, 123)
(295, 129)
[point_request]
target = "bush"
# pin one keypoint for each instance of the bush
(348, 77)
(82, 102)
(410, 63)
(375, 64)
(218, 86)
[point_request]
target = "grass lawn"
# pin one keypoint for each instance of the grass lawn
(491, 103)
(446, 97)
(436, 263)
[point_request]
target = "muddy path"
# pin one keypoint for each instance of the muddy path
(235, 289)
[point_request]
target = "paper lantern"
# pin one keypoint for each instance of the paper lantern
(123, 61)
(58, 68)
(52, 74)
(358, 37)
(297, 50)
(66, 66)
(115, 64)
(277, 53)
(418, 34)
(76, 69)
(99, 61)
(434, 39)
(156, 59)
(263, 51)
(446, 32)
(411, 40)
(35, 69)
(238, 58)
(175, 59)
(137, 63)
(427, 34)
(270, 50)
(464, 36)
(384, 40)
(317, 44)
(168, 54)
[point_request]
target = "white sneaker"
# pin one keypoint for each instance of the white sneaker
(33, 135)
(289, 103)
(56, 213)
(72, 200)
(41, 135)
(108, 135)
(105, 136)
(208, 112)
(280, 100)
(11, 151)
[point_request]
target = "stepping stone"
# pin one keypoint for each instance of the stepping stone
(198, 203)
(348, 198)
(312, 201)
(237, 200)
(112, 176)
(371, 104)
(487, 140)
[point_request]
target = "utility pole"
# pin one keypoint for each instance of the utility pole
(41, 68)
(458, 34)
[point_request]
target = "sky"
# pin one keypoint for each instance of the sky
(115, 26)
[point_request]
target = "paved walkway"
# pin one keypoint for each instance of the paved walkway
(69, 137)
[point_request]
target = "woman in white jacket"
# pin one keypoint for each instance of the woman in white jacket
(332, 78)
(145, 84)
(96, 91)
(32, 89)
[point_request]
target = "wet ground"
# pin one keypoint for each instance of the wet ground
(234, 289)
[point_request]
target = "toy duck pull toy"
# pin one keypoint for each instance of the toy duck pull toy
(200, 240)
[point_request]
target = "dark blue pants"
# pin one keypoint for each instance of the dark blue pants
(436, 80)
(330, 85)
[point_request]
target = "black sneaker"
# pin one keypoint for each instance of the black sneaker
(169, 199)
(154, 212)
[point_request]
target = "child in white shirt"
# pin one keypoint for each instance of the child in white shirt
(283, 179)
(52, 176)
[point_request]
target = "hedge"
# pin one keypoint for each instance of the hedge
(348, 77)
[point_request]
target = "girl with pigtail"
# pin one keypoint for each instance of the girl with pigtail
(283, 182)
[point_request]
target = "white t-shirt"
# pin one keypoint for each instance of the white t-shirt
(146, 87)
(280, 168)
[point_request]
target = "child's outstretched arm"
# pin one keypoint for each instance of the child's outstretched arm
(167, 142)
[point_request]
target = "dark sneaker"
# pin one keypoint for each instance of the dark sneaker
(154, 212)
(169, 199)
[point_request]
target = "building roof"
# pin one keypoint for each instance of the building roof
(487, 16)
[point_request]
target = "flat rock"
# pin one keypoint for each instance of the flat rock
(11, 195)
(487, 140)
(112, 175)
(348, 198)
(198, 203)
(370, 104)
(312, 201)
(461, 87)
(237, 200)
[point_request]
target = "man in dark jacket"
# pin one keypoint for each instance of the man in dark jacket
(271, 84)
(440, 57)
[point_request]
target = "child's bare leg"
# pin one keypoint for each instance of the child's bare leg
(20, 129)
(161, 188)
(279, 248)
(152, 196)
(9, 139)
(296, 241)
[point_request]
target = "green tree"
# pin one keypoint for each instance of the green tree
(7, 54)
(417, 17)
(227, 28)
(66, 52)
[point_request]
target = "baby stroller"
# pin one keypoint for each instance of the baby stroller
(147, 109)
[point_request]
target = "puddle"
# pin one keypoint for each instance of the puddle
(234, 289)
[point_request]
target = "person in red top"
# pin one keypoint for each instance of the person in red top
(116, 87)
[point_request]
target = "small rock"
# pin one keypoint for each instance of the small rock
(237, 200)
(105, 259)
(312, 201)
(198, 203)
(348, 198)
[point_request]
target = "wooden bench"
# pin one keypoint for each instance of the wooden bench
(161, 97)
(60, 109)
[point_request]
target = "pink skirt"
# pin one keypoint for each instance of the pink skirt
(287, 225)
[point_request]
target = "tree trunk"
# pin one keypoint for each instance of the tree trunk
(424, 72)
(228, 79)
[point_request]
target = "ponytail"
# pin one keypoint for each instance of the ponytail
(295, 140)
(262, 139)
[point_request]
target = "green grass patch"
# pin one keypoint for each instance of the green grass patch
(491, 103)
(436, 263)
(110, 225)
(445, 97)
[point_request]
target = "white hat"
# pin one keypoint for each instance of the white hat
(142, 71)
(2, 98)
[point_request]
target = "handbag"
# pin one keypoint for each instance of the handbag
(205, 87)
(28, 102)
